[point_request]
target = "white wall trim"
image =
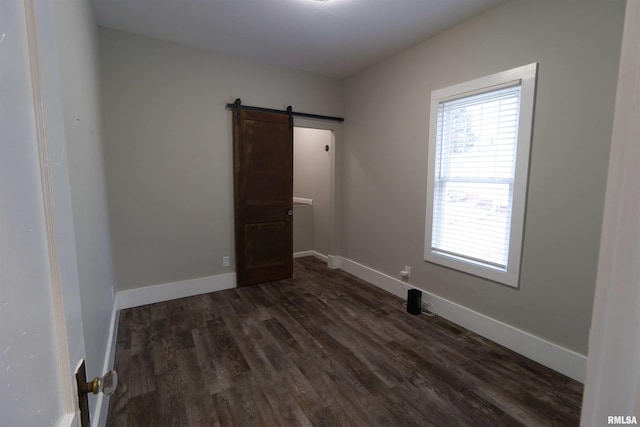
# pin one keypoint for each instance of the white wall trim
(318, 255)
(99, 417)
(613, 375)
(303, 200)
(67, 387)
(558, 358)
(186, 288)
(169, 291)
(302, 254)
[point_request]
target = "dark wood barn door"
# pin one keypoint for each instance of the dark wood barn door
(263, 186)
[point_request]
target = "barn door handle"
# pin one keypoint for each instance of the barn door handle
(289, 214)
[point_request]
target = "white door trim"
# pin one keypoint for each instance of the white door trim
(334, 174)
(612, 387)
(68, 388)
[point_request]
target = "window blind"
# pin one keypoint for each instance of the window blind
(474, 177)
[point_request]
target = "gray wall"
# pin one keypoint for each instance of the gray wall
(77, 39)
(302, 228)
(576, 44)
(311, 180)
(169, 150)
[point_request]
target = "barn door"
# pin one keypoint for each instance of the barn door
(263, 186)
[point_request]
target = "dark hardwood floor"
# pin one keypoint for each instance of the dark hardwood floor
(322, 349)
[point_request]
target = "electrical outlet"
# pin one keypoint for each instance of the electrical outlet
(225, 261)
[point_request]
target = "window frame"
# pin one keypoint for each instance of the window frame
(526, 76)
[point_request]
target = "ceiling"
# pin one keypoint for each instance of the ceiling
(335, 38)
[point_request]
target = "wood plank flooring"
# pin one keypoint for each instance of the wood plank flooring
(322, 349)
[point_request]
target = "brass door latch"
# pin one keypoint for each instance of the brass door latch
(106, 384)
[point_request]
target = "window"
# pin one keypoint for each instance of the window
(479, 143)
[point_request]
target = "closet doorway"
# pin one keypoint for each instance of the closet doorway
(313, 198)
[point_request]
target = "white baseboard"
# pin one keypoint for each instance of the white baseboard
(168, 291)
(558, 358)
(302, 254)
(320, 256)
(310, 253)
(99, 417)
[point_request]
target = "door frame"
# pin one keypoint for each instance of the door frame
(612, 385)
(56, 195)
(335, 177)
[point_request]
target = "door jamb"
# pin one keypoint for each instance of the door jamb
(334, 176)
(60, 287)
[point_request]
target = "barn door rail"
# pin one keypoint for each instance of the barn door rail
(237, 105)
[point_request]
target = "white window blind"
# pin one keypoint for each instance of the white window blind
(479, 143)
(475, 160)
